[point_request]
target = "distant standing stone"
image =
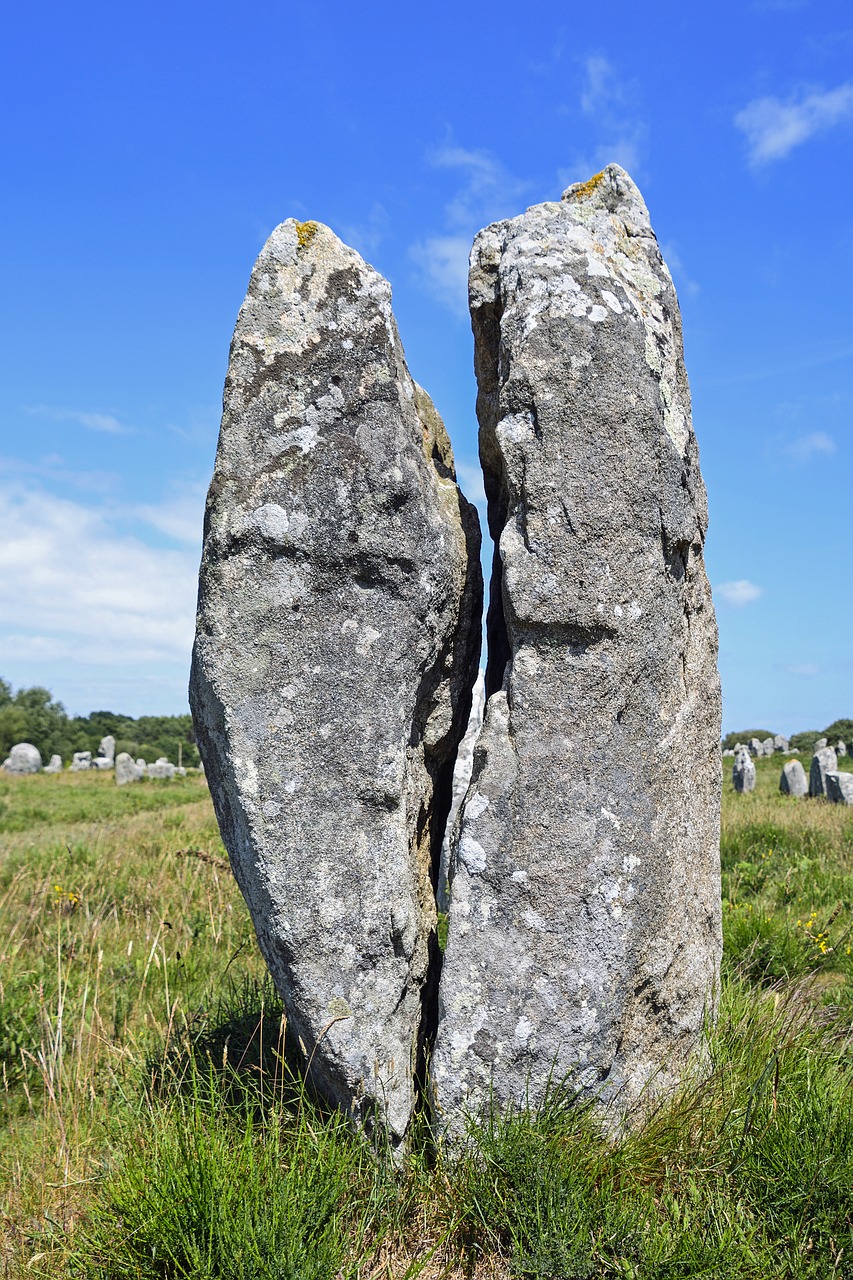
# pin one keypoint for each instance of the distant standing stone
(743, 772)
(839, 787)
(793, 781)
(841, 748)
(584, 931)
(754, 747)
(768, 746)
(107, 748)
(23, 758)
(336, 646)
(80, 761)
(824, 761)
(820, 744)
(161, 768)
(127, 770)
(780, 743)
(55, 765)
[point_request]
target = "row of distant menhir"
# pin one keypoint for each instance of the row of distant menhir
(25, 758)
(824, 778)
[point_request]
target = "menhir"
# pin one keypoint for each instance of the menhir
(584, 937)
(337, 641)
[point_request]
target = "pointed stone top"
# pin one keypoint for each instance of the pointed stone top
(612, 191)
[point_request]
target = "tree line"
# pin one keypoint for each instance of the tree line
(839, 730)
(33, 715)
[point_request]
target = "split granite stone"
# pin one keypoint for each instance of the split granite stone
(584, 925)
(793, 781)
(337, 644)
(824, 761)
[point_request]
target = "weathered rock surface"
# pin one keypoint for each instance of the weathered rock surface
(127, 770)
(337, 643)
(55, 765)
(824, 761)
(585, 931)
(780, 743)
(80, 761)
(743, 772)
(23, 758)
(793, 781)
(461, 779)
(839, 787)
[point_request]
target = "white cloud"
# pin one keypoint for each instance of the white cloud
(738, 593)
(611, 103)
(487, 191)
(442, 263)
(179, 516)
(773, 128)
(104, 422)
(804, 669)
(367, 235)
(73, 586)
(804, 448)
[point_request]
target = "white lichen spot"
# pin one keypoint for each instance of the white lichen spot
(598, 314)
(472, 853)
(612, 301)
(476, 805)
(367, 640)
(617, 610)
(611, 817)
(630, 863)
(523, 1030)
(634, 610)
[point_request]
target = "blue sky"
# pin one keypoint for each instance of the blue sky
(148, 150)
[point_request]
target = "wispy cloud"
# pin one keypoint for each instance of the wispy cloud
(611, 102)
(104, 422)
(180, 515)
(486, 191)
(471, 481)
(815, 444)
(803, 669)
(738, 593)
(74, 585)
(678, 269)
(774, 128)
(367, 235)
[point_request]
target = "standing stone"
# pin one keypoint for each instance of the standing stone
(337, 643)
(824, 761)
(754, 747)
(80, 761)
(820, 744)
(161, 768)
(461, 778)
(23, 758)
(793, 781)
(127, 770)
(55, 765)
(839, 787)
(841, 748)
(768, 746)
(584, 935)
(107, 748)
(780, 743)
(743, 772)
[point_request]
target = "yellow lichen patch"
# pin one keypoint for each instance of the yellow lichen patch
(584, 189)
(305, 233)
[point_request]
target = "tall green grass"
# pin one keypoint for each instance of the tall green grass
(154, 1125)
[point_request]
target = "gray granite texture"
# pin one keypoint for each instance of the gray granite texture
(337, 643)
(585, 937)
(839, 787)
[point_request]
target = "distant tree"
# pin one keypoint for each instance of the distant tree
(804, 742)
(32, 716)
(744, 735)
(842, 729)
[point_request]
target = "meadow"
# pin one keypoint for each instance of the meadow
(153, 1125)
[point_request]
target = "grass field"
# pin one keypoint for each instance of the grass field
(151, 1127)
